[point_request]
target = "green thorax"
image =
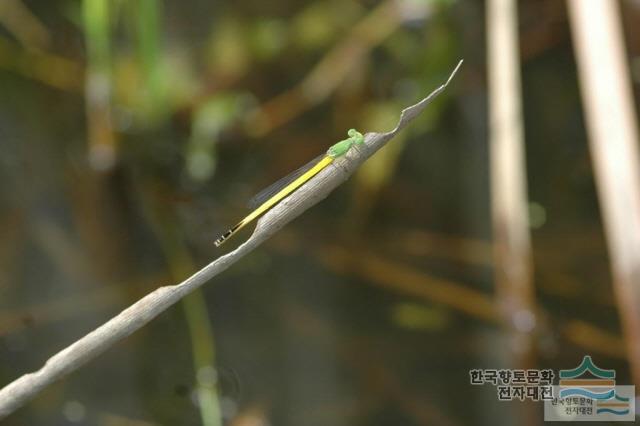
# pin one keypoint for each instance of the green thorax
(342, 147)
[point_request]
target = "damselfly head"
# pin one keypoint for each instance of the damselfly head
(356, 136)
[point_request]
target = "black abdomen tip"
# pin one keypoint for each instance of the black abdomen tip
(227, 234)
(223, 238)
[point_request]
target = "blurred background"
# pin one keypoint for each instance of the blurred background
(497, 231)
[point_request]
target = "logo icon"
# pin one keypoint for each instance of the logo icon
(588, 393)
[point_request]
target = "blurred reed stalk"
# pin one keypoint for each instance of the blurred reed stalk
(148, 34)
(98, 84)
(512, 245)
(24, 25)
(613, 136)
(50, 69)
(511, 240)
(181, 264)
(203, 348)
